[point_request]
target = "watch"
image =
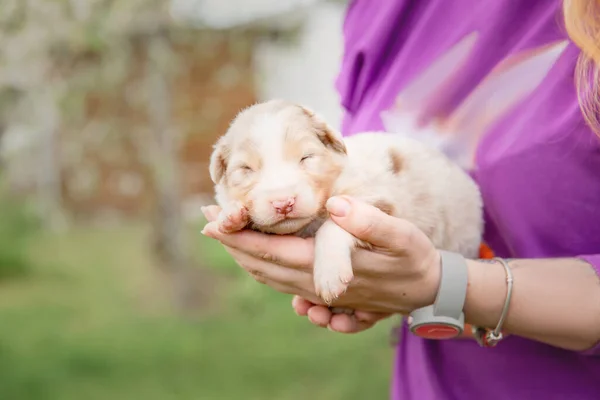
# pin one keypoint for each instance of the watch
(445, 318)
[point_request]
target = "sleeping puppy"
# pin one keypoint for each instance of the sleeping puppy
(278, 163)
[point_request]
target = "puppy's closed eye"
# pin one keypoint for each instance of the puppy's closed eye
(241, 170)
(239, 173)
(306, 157)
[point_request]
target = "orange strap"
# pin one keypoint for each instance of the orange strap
(485, 252)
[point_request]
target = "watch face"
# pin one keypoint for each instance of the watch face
(436, 331)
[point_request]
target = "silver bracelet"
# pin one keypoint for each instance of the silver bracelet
(490, 338)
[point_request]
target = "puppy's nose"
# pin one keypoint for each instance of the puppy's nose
(284, 206)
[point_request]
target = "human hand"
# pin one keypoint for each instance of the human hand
(317, 313)
(322, 316)
(399, 274)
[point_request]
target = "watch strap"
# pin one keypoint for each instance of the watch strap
(445, 318)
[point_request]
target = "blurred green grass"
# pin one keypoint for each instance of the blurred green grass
(91, 322)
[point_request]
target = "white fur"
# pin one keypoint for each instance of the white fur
(429, 190)
(452, 215)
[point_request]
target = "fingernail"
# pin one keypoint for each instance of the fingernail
(338, 206)
(207, 231)
(203, 210)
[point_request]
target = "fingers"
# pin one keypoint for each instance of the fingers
(342, 323)
(250, 250)
(370, 224)
(319, 315)
(284, 250)
(360, 321)
(370, 317)
(301, 306)
(274, 274)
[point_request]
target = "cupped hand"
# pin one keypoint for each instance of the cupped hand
(322, 316)
(399, 274)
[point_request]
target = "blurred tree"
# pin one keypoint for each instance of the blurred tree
(55, 52)
(169, 236)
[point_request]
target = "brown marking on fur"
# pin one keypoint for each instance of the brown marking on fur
(218, 160)
(307, 112)
(329, 140)
(302, 136)
(384, 206)
(241, 192)
(324, 133)
(397, 161)
(298, 142)
(295, 145)
(249, 154)
(322, 183)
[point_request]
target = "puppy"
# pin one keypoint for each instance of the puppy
(279, 162)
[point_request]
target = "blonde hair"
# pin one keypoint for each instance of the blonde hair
(582, 22)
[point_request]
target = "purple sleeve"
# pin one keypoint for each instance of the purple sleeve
(594, 261)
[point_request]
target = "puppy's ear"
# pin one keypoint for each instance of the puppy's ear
(328, 136)
(218, 160)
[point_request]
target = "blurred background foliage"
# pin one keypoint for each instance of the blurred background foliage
(108, 111)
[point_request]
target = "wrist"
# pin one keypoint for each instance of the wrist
(429, 290)
(470, 294)
(486, 293)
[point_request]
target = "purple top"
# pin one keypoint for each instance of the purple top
(537, 168)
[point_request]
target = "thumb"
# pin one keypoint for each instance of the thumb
(370, 224)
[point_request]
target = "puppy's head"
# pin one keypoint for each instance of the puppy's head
(280, 160)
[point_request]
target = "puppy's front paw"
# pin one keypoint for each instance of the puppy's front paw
(332, 280)
(233, 218)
